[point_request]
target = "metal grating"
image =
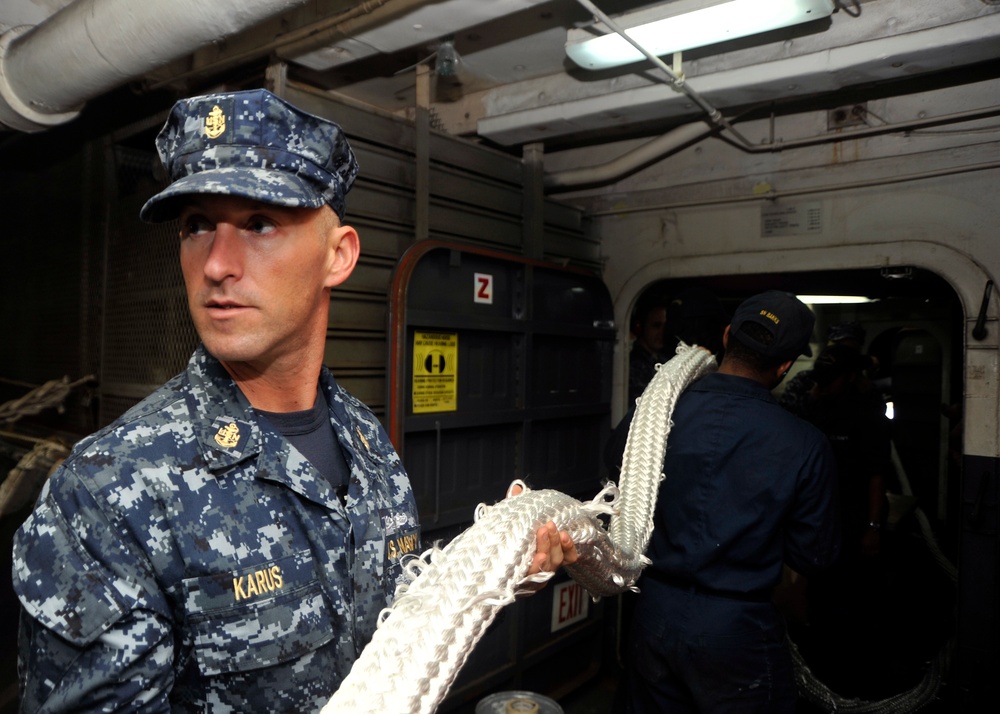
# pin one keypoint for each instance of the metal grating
(148, 334)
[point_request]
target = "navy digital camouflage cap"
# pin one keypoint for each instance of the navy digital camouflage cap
(255, 145)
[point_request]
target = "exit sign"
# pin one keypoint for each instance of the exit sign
(570, 603)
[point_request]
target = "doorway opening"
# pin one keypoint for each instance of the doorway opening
(885, 628)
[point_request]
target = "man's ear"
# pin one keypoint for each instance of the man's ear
(345, 247)
(725, 337)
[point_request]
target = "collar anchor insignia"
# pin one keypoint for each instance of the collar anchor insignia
(228, 436)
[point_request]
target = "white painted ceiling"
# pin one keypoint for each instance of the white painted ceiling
(515, 85)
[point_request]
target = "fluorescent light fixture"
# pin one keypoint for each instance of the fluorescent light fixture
(692, 23)
(833, 299)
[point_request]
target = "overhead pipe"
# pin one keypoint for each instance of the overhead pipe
(655, 149)
(662, 146)
(625, 164)
(49, 71)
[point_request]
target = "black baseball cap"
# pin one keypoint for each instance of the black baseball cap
(786, 318)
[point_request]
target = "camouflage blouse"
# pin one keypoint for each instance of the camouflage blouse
(186, 559)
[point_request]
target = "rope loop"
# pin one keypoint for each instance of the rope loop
(426, 635)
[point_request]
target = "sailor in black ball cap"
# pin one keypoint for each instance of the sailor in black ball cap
(748, 488)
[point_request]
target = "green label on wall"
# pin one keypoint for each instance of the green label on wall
(435, 372)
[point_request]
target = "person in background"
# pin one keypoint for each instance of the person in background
(649, 321)
(847, 605)
(837, 397)
(797, 390)
(695, 317)
(228, 543)
(747, 488)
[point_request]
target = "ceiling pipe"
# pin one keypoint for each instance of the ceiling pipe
(48, 72)
(678, 138)
(641, 156)
(657, 148)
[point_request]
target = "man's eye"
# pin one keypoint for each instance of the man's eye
(195, 225)
(260, 226)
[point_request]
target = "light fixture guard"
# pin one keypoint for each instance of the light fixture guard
(685, 24)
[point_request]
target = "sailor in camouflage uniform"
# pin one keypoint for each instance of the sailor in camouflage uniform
(228, 543)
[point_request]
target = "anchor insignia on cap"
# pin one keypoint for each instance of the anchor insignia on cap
(215, 123)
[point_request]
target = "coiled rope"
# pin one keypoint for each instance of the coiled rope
(924, 691)
(911, 700)
(426, 636)
(24, 482)
(47, 396)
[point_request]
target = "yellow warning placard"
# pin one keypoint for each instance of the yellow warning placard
(435, 372)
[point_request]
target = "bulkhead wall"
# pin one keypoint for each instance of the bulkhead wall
(922, 197)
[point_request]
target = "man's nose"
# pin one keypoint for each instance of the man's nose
(225, 257)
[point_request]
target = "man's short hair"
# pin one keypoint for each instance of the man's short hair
(738, 351)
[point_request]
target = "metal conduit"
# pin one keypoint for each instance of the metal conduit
(48, 72)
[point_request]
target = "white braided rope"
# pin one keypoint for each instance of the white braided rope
(425, 637)
(618, 555)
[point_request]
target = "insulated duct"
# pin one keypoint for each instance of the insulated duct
(48, 72)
